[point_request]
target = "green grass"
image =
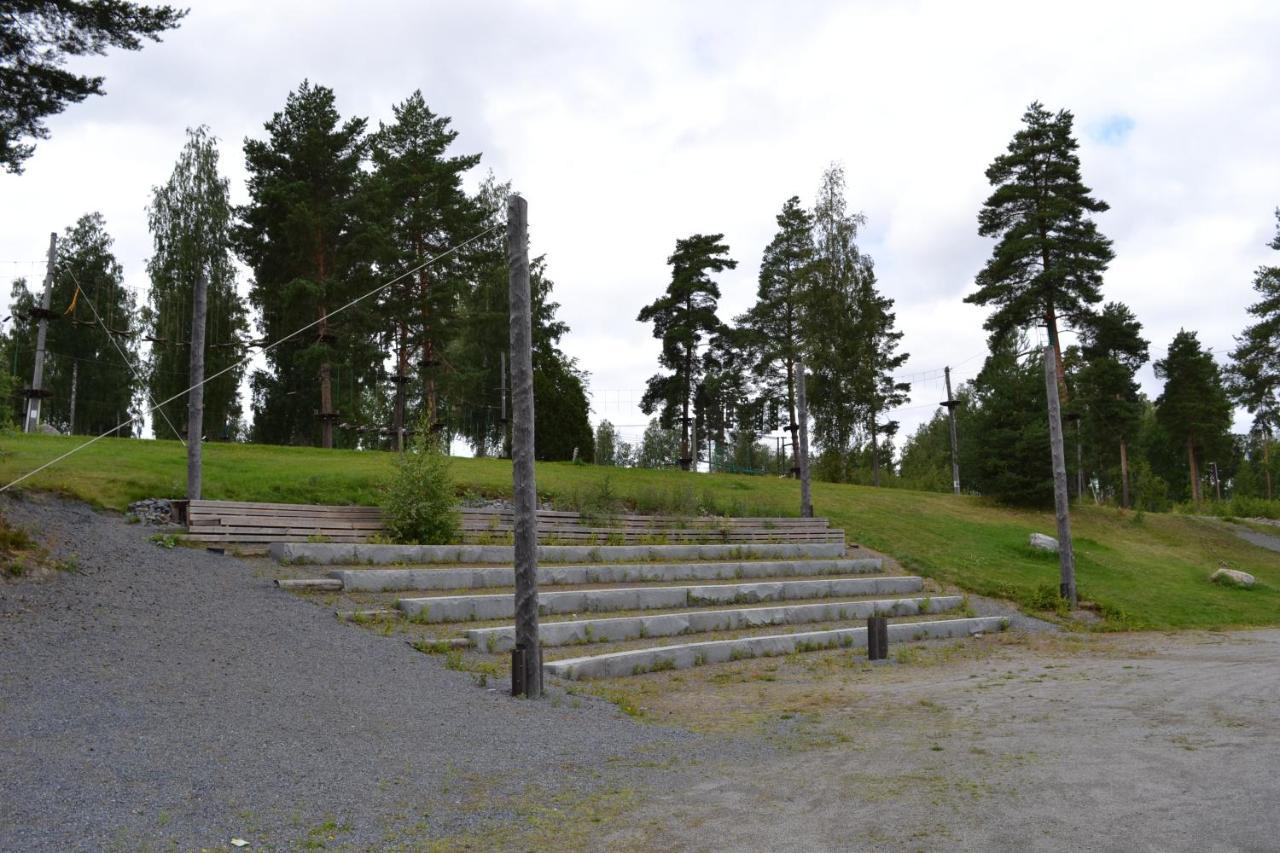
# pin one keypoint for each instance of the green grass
(1146, 572)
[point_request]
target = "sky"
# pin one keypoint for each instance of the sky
(628, 126)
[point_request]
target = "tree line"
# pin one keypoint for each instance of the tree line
(335, 208)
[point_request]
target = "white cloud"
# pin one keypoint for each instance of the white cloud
(628, 127)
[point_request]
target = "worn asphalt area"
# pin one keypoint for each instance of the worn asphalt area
(173, 698)
(166, 696)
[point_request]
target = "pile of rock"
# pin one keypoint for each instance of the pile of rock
(152, 511)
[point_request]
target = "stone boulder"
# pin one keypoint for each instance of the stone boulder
(1233, 577)
(1044, 543)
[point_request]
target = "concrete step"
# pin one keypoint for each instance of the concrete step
(396, 580)
(464, 608)
(685, 655)
(346, 554)
(620, 629)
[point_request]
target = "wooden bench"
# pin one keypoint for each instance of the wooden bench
(251, 523)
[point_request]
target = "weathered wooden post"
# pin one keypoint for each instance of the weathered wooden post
(36, 392)
(1061, 500)
(526, 659)
(195, 398)
(802, 405)
(951, 404)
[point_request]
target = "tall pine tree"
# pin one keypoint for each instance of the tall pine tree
(190, 219)
(1194, 409)
(422, 210)
(1255, 370)
(682, 318)
(1049, 258)
(1112, 349)
(772, 327)
(878, 389)
(304, 242)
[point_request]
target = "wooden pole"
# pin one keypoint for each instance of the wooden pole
(1061, 500)
(802, 402)
(75, 382)
(526, 664)
(42, 331)
(951, 416)
(195, 399)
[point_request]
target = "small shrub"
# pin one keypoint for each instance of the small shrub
(418, 502)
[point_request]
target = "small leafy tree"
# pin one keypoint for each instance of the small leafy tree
(606, 444)
(418, 502)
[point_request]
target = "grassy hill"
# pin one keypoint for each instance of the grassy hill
(1145, 571)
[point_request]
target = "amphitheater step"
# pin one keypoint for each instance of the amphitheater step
(687, 655)
(620, 629)
(346, 554)
(398, 580)
(463, 608)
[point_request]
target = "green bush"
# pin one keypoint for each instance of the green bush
(418, 502)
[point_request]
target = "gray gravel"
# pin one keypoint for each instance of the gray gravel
(173, 696)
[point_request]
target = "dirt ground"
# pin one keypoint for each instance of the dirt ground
(1135, 742)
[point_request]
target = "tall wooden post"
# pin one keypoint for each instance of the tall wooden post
(195, 399)
(802, 403)
(1061, 500)
(75, 385)
(951, 416)
(526, 660)
(42, 331)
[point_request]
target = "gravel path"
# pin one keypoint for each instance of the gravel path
(172, 696)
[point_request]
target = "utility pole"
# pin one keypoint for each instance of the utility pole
(802, 404)
(36, 393)
(195, 399)
(1061, 501)
(75, 381)
(526, 658)
(951, 404)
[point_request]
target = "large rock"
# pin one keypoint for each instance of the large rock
(1044, 543)
(1232, 577)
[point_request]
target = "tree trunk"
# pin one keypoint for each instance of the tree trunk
(326, 386)
(402, 365)
(793, 426)
(1051, 322)
(685, 459)
(1124, 473)
(1195, 472)
(1266, 462)
(875, 453)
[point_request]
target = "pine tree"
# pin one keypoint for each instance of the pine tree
(879, 339)
(1049, 260)
(1254, 377)
(422, 210)
(1112, 349)
(682, 317)
(834, 349)
(1194, 409)
(772, 328)
(81, 361)
(37, 36)
(190, 220)
(300, 236)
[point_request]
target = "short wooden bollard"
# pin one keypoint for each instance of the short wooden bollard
(526, 662)
(877, 638)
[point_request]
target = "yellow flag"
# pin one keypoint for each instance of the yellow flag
(74, 298)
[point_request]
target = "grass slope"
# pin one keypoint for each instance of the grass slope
(1146, 571)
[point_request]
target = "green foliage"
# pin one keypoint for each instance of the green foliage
(682, 318)
(38, 37)
(78, 350)
(606, 449)
(1049, 257)
(1255, 371)
(1194, 409)
(561, 424)
(190, 221)
(659, 448)
(418, 503)
(305, 238)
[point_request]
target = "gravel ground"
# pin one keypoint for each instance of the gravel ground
(172, 696)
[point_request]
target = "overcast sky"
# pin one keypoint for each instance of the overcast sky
(629, 127)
